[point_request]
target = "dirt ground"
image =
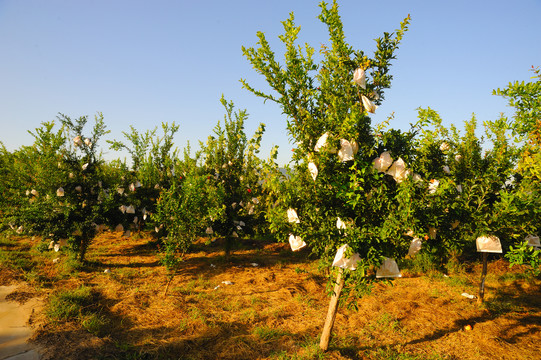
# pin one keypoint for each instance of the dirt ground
(265, 302)
(15, 312)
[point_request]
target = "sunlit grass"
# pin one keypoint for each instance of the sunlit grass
(80, 306)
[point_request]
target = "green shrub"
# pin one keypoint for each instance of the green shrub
(524, 254)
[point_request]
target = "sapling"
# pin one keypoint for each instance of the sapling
(327, 105)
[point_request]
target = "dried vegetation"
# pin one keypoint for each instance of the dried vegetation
(274, 308)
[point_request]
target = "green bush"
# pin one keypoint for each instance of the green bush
(524, 254)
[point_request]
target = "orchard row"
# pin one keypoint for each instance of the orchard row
(371, 192)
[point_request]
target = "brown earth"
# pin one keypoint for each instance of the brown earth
(274, 308)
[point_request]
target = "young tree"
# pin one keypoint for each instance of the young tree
(28, 179)
(327, 107)
(219, 196)
(80, 203)
(153, 169)
(525, 97)
(232, 165)
(57, 184)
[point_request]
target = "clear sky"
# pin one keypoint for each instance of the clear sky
(142, 63)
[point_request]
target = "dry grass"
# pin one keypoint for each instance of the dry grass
(275, 310)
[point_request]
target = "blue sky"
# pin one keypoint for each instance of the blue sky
(142, 63)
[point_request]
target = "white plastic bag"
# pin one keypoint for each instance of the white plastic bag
(77, 141)
(433, 186)
(313, 170)
(444, 146)
(383, 162)
(415, 246)
(346, 151)
(368, 105)
(533, 240)
(359, 77)
(292, 216)
(389, 268)
(398, 170)
(340, 224)
(489, 244)
(296, 242)
(340, 259)
(322, 142)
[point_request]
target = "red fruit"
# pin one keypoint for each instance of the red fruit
(249, 190)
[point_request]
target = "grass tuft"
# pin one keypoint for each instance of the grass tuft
(78, 306)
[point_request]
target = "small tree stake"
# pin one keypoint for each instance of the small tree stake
(481, 297)
(331, 313)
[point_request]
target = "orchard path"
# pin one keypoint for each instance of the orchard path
(14, 329)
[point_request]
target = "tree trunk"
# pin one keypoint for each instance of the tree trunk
(228, 244)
